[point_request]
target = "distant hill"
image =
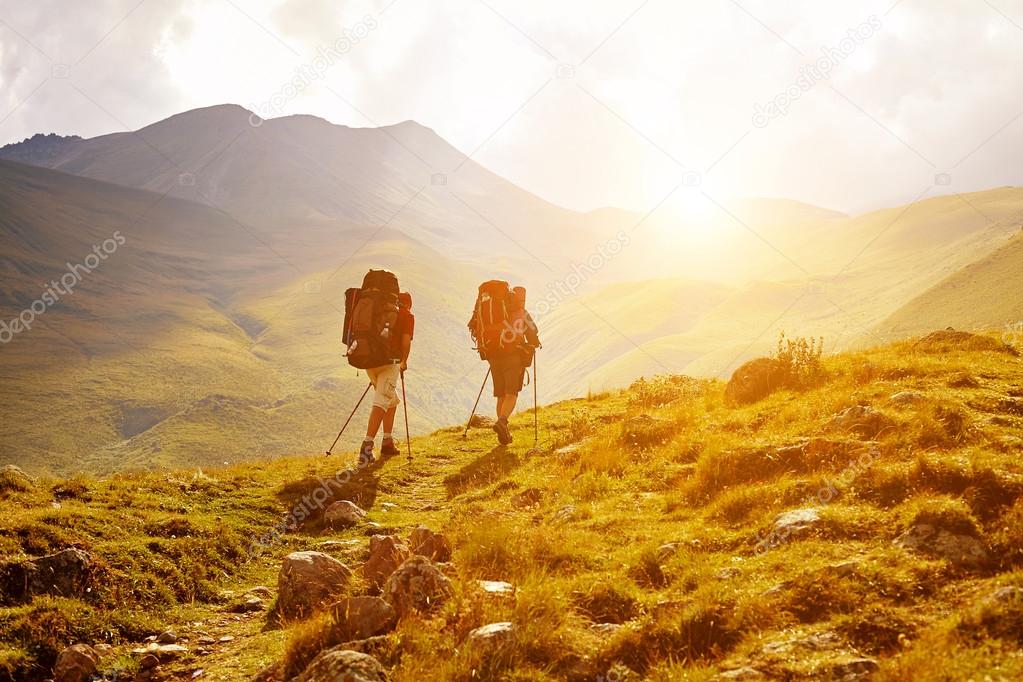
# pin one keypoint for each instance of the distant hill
(984, 294)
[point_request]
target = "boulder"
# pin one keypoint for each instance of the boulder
(756, 380)
(343, 514)
(417, 585)
(386, 553)
(493, 634)
(77, 663)
(434, 546)
(362, 617)
(498, 587)
(862, 420)
(68, 573)
(307, 581)
(343, 665)
(161, 652)
(167, 637)
(963, 551)
(247, 604)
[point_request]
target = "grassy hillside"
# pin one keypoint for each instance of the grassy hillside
(981, 295)
(648, 537)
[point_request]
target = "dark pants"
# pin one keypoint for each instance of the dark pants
(509, 373)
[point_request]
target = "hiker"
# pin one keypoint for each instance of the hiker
(506, 337)
(379, 327)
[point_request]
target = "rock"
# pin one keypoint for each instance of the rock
(498, 587)
(161, 652)
(417, 585)
(343, 665)
(796, 522)
(388, 506)
(1006, 595)
(386, 553)
(568, 454)
(907, 398)
(729, 573)
(247, 605)
(493, 634)
(362, 617)
(271, 673)
(666, 551)
(746, 673)
(67, 573)
(862, 420)
(854, 669)
(13, 478)
(261, 591)
(307, 581)
(606, 629)
(148, 662)
(844, 568)
(343, 514)
(963, 551)
(167, 637)
(434, 546)
(77, 663)
(529, 498)
(755, 380)
(479, 421)
(565, 513)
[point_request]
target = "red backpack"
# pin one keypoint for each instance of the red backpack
(497, 322)
(371, 315)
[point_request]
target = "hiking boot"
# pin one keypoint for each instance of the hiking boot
(504, 436)
(366, 453)
(388, 448)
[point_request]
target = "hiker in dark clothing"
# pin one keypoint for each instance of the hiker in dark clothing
(506, 337)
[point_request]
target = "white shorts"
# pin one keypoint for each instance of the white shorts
(385, 384)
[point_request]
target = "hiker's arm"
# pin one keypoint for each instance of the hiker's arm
(532, 336)
(406, 348)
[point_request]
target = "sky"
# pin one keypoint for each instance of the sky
(588, 103)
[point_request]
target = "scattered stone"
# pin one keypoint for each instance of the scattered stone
(362, 617)
(225, 639)
(417, 585)
(1006, 595)
(963, 551)
(388, 506)
(854, 669)
(493, 634)
(167, 637)
(529, 498)
(307, 581)
(343, 514)
(606, 629)
(745, 673)
(149, 662)
(666, 551)
(908, 398)
(498, 587)
(844, 569)
(386, 553)
(434, 546)
(205, 641)
(569, 454)
(796, 522)
(161, 652)
(67, 573)
(247, 605)
(862, 420)
(261, 591)
(337, 664)
(338, 545)
(729, 573)
(565, 513)
(77, 663)
(480, 421)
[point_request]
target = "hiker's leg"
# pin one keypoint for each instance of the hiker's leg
(507, 405)
(389, 419)
(376, 416)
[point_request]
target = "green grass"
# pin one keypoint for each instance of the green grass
(578, 526)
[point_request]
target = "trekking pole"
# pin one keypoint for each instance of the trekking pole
(476, 404)
(404, 404)
(331, 450)
(536, 417)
